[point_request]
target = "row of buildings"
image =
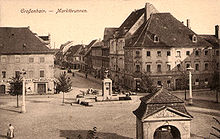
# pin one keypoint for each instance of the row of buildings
(23, 50)
(154, 44)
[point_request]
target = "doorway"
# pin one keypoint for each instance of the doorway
(41, 88)
(167, 132)
(2, 89)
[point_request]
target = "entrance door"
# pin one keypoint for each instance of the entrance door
(167, 132)
(41, 88)
(178, 84)
(2, 89)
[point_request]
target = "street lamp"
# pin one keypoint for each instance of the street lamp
(190, 85)
(23, 109)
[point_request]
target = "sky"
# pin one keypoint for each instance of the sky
(94, 15)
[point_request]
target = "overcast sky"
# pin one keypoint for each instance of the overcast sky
(82, 27)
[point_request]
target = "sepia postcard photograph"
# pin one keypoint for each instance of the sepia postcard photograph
(109, 69)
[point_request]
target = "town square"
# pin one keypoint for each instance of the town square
(152, 72)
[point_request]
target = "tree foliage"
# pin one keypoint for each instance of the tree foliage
(64, 83)
(15, 85)
(215, 84)
(147, 84)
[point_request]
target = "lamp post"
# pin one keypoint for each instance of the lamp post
(23, 109)
(190, 86)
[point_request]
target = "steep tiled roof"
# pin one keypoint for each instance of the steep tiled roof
(88, 47)
(170, 31)
(212, 40)
(108, 32)
(155, 101)
(20, 41)
(129, 22)
(72, 51)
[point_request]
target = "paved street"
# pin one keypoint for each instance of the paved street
(46, 117)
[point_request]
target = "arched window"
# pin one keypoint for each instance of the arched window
(156, 38)
(194, 38)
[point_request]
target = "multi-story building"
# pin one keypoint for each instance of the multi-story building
(22, 50)
(117, 43)
(163, 48)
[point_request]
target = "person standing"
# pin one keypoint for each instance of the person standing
(10, 133)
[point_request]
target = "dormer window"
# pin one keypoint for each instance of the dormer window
(194, 38)
(156, 38)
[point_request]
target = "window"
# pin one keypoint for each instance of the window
(17, 74)
(206, 52)
(217, 65)
(197, 67)
(197, 53)
(3, 74)
(168, 67)
(42, 59)
(31, 59)
(194, 38)
(41, 73)
(158, 68)
(168, 53)
(197, 82)
(178, 66)
(17, 60)
(3, 59)
(156, 38)
(137, 68)
(148, 53)
(217, 52)
(206, 81)
(206, 66)
(178, 53)
(148, 68)
(168, 83)
(137, 52)
(187, 53)
(187, 65)
(159, 83)
(158, 53)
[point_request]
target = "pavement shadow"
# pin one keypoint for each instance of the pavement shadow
(74, 134)
(206, 104)
(11, 110)
(3, 136)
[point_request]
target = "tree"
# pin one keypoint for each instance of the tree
(16, 86)
(215, 84)
(64, 84)
(148, 84)
(184, 81)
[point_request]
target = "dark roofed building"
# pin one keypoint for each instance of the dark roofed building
(163, 48)
(21, 49)
(20, 41)
(162, 110)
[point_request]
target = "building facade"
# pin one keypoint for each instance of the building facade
(117, 42)
(22, 50)
(163, 48)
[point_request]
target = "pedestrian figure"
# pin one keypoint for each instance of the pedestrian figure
(86, 75)
(10, 133)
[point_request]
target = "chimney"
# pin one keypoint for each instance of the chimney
(188, 23)
(217, 35)
(149, 9)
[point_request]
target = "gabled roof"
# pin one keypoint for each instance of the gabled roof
(171, 33)
(155, 101)
(212, 39)
(72, 51)
(88, 48)
(108, 33)
(21, 41)
(129, 22)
